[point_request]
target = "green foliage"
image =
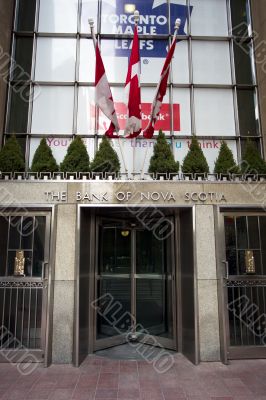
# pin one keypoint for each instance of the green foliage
(11, 157)
(163, 160)
(252, 162)
(43, 160)
(195, 161)
(225, 162)
(106, 158)
(77, 158)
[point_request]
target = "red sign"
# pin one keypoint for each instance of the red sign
(163, 121)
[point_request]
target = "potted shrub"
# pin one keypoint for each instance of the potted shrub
(43, 160)
(195, 161)
(106, 158)
(77, 158)
(11, 156)
(162, 161)
(225, 163)
(252, 162)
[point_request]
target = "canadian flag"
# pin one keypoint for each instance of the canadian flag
(160, 92)
(132, 87)
(103, 95)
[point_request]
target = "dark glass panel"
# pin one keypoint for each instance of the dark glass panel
(39, 227)
(26, 15)
(3, 244)
(239, 17)
(114, 312)
(14, 234)
(263, 243)
(253, 233)
(242, 238)
(23, 58)
(27, 233)
(116, 250)
(230, 234)
(150, 253)
(246, 113)
(18, 120)
(243, 63)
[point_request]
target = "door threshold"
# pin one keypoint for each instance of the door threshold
(135, 352)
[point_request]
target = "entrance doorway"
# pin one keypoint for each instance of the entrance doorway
(135, 280)
(135, 283)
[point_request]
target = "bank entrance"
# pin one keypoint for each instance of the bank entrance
(132, 264)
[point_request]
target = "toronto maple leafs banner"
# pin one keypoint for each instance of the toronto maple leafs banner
(117, 18)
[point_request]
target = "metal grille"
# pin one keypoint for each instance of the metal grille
(21, 313)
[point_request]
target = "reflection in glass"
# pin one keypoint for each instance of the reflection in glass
(239, 15)
(18, 119)
(26, 15)
(243, 69)
(116, 254)
(242, 238)
(3, 244)
(248, 123)
(114, 320)
(23, 59)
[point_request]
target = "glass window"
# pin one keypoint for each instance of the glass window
(115, 61)
(53, 111)
(217, 70)
(3, 244)
(89, 9)
(86, 111)
(248, 123)
(210, 149)
(26, 15)
(209, 18)
(118, 17)
(18, 119)
(59, 16)
(214, 112)
(180, 66)
(243, 68)
(21, 70)
(181, 111)
(239, 15)
(55, 60)
(87, 61)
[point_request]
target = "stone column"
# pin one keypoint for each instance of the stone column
(206, 275)
(64, 284)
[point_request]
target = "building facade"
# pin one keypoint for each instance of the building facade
(88, 261)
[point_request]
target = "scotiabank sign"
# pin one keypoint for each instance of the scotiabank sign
(163, 121)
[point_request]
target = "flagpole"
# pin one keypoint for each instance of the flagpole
(91, 23)
(136, 20)
(177, 26)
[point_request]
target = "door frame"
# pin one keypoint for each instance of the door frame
(187, 325)
(231, 352)
(99, 344)
(44, 355)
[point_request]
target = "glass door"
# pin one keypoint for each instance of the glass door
(135, 286)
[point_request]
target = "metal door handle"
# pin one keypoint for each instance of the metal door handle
(44, 271)
(226, 268)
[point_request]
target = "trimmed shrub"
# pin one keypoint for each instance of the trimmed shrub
(195, 161)
(106, 158)
(77, 158)
(163, 160)
(225, 162)
(43, 160)
(11, 156)
(252, 162)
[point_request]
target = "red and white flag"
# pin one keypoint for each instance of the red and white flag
(160, 92)
(103, 95)
(132, 87)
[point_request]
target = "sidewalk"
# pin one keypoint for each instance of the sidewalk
(105, 379)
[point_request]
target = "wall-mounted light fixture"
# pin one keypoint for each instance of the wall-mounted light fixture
(124, 233)
(250, 262)
(129, 8)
